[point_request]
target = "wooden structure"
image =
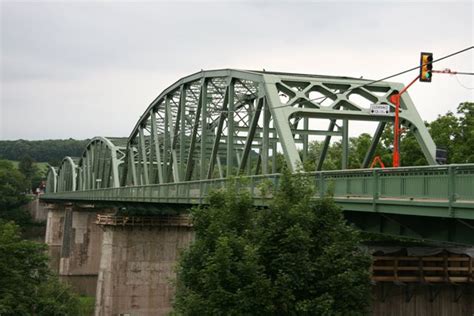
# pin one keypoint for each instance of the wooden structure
(444, 268)
(162, 220)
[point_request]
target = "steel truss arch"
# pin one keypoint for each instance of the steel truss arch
(51, 179)
(101, 162)
(219, 123)
(67, 174)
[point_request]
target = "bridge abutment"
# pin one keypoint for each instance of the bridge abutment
(138, 262)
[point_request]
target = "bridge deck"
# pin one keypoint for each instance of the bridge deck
(435, 191)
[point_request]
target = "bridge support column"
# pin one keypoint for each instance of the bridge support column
(137, 264)
(80, 251)
(54, 234)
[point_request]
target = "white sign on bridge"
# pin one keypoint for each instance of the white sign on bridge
(380, 109)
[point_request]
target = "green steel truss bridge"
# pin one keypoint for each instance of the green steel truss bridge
(214, 125)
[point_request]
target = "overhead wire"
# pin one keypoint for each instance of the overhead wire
(411, 69)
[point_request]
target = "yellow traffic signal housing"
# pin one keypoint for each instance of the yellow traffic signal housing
(426, 67)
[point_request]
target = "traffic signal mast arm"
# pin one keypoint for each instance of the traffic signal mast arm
(450, 72)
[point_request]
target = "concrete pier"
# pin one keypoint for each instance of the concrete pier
(137, 265)
(38, 210)
(54, 234)
(80, 251)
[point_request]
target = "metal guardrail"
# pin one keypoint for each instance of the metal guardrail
(443, 191)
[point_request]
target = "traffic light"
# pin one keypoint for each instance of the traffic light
(426, 67)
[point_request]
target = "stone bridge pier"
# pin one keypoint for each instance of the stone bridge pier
(54, 234)
(137, 266)
(74, 243)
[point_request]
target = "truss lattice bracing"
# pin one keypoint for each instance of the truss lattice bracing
(215, 124)
(51, 179)
(67, 175)
(219, 123)
(101, 163)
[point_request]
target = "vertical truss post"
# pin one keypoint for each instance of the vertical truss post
(182, 130)
(96, 167)
(104, 155)
(174, 129)
(345, 144)
(192, 145)
(230, 128)
(166, 141)
(89, 169)
(274, 154)
(107, 170)
(155, 147)
(79, 179)
(305, 138)
(143, 157)
(131, 158)
(204, 130)
(115, 169)
(85, 169)
(266, 136)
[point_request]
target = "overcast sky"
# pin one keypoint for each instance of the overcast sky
(83, 69)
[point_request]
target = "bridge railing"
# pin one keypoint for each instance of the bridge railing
(448, 183)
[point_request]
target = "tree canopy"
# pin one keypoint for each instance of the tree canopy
(13, 186)
(27, 285)
(298, 256)
(51, 151)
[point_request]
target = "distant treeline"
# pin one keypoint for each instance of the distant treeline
(50, 151)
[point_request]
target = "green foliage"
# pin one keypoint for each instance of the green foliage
(30, 170)
(86, 305)
(26, 167)
(296, 257)
(13, 185)
(27, 285)
(51, 151)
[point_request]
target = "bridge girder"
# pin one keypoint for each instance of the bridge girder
(219, 123)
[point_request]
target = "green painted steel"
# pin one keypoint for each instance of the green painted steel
(51, 180)
(101, 163)
(67, 175)
(213, 125)
(436, 191)
(208, 125)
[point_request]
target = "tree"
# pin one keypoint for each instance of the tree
(27, 285)
(465, 139)
(12, 197)
(27, 167)
(298, 256)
